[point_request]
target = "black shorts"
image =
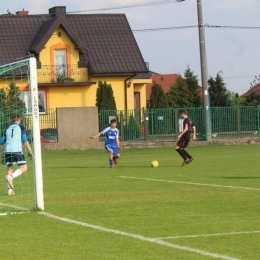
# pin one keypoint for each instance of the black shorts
(14, 158)
(183, 142)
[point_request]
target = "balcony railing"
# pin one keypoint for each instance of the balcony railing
(62, 74)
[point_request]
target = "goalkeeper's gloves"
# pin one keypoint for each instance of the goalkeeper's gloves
(30, 154)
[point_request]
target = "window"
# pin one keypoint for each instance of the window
(25, 97)
(60, 63)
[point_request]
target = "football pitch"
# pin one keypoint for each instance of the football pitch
(208, 209)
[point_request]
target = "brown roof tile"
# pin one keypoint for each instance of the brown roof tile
(255, 89)
(112, 48)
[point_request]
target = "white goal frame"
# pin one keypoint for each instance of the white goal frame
(33, 87)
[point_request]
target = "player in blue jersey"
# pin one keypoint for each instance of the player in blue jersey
(111, 142)
(12, 141)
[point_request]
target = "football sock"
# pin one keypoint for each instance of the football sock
(16, 173)
(110, 162)
(186, 154)
(180, 151)
(9, 177)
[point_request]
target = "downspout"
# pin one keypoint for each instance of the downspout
(125, 83)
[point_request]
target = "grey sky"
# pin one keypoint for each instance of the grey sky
(233, 52)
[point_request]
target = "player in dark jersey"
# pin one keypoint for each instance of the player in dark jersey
(193, 129)
(111, 142)
(184, 138)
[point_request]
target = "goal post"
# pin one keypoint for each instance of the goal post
(19, 94)
(33, 86)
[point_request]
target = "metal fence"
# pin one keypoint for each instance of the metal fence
(62, 74)
(48, 122)
(157, 124)
(165, 124)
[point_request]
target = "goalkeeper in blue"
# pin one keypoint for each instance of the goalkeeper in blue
(112, 142)
(12, 141)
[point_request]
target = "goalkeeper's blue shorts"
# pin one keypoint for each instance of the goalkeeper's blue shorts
(14, 158)
(113, 148)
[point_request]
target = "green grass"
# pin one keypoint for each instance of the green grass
(170, 202)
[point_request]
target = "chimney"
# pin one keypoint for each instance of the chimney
(22, 12)
(56, 10)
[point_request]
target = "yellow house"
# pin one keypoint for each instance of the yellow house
(74, 52)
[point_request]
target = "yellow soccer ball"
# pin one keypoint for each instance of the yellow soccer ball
(154, 163)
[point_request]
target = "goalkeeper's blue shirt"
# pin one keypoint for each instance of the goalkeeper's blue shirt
(111, 135)
(13, 137)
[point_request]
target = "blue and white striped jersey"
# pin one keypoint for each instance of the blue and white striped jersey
(13, 137)
(111, 135)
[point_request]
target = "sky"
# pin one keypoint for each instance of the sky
(232, 52)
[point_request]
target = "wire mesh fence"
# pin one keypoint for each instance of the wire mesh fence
(156, 124)
(166, 124)
(48, 123)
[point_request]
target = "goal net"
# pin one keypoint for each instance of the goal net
(19, 95)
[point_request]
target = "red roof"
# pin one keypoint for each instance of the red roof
(255, 89)
(165, 80)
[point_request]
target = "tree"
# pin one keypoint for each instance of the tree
(252, 100)
(237, 100)
(179, 94)
(2, 99)
(131, 129)
(219, 95)
(193, 86)
(158, 98)
(105, 99)
(10, 98)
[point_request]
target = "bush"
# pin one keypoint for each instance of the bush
(63, 79)
(132, 129)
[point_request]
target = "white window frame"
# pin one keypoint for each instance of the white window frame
(60, 66)
(25, 97)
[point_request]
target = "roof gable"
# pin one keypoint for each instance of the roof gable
(112, 48)
(255, 89)
(46, 31)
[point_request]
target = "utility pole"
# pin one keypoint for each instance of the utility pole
(204, 74)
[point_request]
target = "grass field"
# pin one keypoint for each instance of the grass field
(208, 209)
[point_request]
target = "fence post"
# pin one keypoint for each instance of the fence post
(146, 125)
(121, 116)
(238, 122)
(258, 122)
(152, 125)
(1, 124)
(176, 123)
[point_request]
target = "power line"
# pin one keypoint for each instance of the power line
(235, 77)
(231, 27)
(162, 2)
(118, 32)
(165, 28)
(196, 26)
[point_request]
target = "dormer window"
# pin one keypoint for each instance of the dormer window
(60, 63)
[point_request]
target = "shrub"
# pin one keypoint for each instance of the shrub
(132, 129)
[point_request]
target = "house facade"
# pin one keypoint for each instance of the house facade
(74, 52)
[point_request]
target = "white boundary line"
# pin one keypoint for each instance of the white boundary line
(15, 207)
(143, 238)
(211, 235)
(192, 183)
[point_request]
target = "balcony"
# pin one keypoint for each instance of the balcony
(62, 74)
